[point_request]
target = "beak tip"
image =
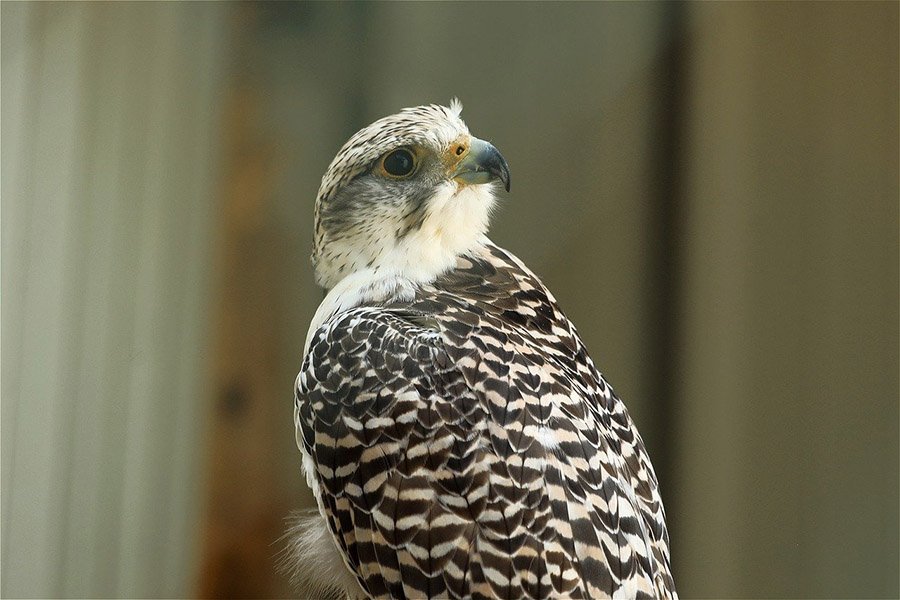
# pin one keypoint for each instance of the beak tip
(483, 164)
(500, 169)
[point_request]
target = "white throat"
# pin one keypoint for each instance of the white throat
(456, 221)
(381, 268)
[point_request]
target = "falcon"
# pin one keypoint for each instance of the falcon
(457, 437)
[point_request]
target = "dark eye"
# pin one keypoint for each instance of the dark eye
(399, 163)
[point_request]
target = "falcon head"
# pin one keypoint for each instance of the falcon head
(405, 196)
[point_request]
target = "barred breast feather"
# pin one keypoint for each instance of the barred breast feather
(462, 444)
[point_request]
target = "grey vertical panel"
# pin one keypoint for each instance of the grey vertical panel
(202, 140)
(164, 405)
(122, 351)
(163, 396)
(35, 519)
(89, 514)
(18, 58)
(149, 396)
(109, 154)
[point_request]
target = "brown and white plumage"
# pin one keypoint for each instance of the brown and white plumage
(457, 436)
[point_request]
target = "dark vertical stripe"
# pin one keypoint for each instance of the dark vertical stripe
(666, 268)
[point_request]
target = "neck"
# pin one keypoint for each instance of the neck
(455, 224)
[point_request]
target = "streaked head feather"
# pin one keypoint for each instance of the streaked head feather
(412, 228)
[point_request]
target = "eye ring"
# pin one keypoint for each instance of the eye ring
(399, 163)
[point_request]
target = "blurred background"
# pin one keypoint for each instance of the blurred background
(710, 190)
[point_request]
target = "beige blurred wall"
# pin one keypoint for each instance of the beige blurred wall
(787, 446)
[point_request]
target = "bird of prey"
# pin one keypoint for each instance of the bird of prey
(458, 439)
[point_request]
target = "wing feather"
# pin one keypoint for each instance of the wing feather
(464, 444)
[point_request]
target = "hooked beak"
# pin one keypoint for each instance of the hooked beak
(482, 164)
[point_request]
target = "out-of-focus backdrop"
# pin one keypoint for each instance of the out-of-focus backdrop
(710, 190)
